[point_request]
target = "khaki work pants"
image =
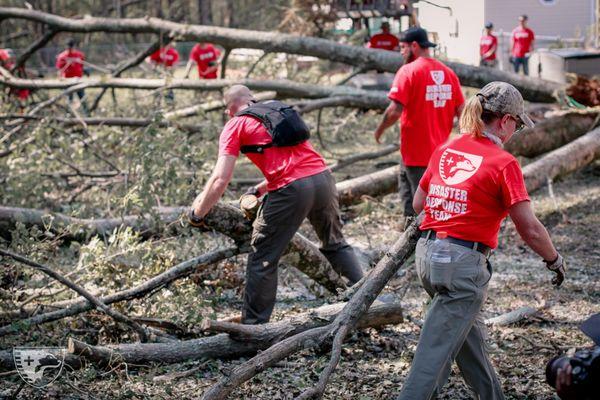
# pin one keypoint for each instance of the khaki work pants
(453, 327)
(281, 214)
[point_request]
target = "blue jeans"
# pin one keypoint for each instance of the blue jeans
(518, 61)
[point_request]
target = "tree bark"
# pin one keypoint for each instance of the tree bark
(344, 162)
(35, 46)
(531, 88)
(243, 340)
(375, 184)
(552, 133)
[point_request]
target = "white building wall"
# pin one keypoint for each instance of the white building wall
(458, 32)
(565, 18)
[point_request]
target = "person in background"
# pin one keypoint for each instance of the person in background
(7, 61)
(165, 59)
(487, 47)
(522, 42)
(384, 40)
(471, 184)
(70, 65)
(425, 97)
(207, 57)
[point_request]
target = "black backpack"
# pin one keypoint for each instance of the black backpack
(283, 123)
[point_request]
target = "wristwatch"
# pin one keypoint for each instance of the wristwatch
(194, 219)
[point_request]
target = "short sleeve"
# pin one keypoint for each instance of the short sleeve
(400, 90)
(513, 185)
(229, 141)
(426, 178)
(217, 52)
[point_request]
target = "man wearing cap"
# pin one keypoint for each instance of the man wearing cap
(521, 43)
(425, 98)
(298, 185)
(384, 40)
(470, 186)
(487, 47)
(70, 65)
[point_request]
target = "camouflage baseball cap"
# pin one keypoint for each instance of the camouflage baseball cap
(504, 98)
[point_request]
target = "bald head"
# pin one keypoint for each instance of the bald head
(237, 93)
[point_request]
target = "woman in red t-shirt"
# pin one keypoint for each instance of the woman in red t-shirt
(471, 184)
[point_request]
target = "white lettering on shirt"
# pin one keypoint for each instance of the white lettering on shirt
(438, 93)
(444, 202)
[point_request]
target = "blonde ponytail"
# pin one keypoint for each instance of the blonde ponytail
(470, 120)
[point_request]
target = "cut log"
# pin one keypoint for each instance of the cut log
(513, 316)
(223, 346)
(159, 281)
(552, 133)
(563, 161)
(375, 184)
(368, 59)
(336, 331)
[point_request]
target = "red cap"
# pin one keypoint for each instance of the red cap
(441, 235)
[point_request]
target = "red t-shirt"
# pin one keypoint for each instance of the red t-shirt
(522, 39)
(5, 60)
(470, 184)
(203, 55)
(486, 43)
(430, 93)
(385, 41)
(279, 165)
(69, 62)
(167, 57)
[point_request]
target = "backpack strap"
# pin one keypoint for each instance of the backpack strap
(255, 148)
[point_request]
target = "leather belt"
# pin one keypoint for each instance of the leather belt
(480, 247)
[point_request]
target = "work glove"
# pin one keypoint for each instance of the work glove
(194, 220)
(557, 266)
(249, 203)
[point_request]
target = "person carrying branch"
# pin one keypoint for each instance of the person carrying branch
(471, 184)
(207, 57)
(297, 185)
(70, 65)
(425, 98)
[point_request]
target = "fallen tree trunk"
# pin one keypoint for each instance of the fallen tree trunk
(563, 161)
(222, 346)
(283, 88)
(335, 332)
(368, 59)
(344, 162)
(375, 184)
(552, 133)
(102, 121)
(513, 316)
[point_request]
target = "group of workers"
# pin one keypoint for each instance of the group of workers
(521, 44)
(464, 186)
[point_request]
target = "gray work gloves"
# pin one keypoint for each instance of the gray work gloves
(557, 266)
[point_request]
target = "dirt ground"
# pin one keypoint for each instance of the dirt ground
(375, 362)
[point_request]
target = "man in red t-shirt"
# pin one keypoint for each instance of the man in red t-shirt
(297, 184)
(206, 56)
(384, 40)
(471, 184)
(522, 42)
(70, 65)
(7, 61)
(165, 57)
(425, 98)
(487, 47)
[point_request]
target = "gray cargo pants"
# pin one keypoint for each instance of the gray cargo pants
(453, 327)
(281, 214)
(408, 182)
